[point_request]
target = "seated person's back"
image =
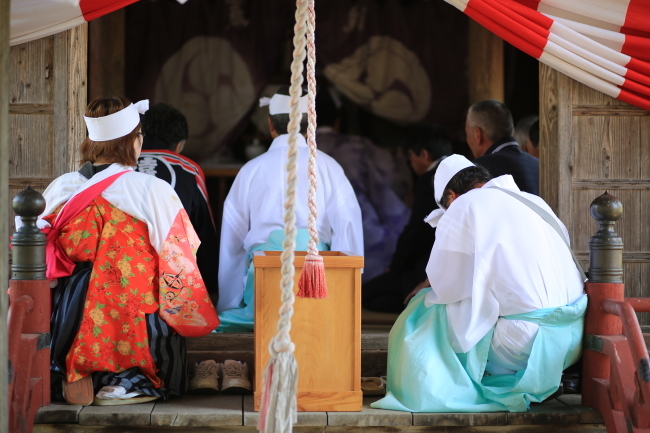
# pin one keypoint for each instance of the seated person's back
(166, 131)
(505, 310)
(253, 215)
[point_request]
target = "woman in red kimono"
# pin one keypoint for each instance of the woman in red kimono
(123, 251)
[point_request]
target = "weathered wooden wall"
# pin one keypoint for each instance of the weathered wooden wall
(47, 98)
(590, 143)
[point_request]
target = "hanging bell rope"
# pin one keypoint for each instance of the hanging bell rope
(278, 410)
(312, 279)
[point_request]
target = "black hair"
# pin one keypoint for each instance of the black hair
(164, 127)
(533, 133)
(281, 121)
(493, 117)
(464, 181)
(326, 109)
(432, 138)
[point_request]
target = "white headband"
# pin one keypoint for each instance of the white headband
(447, 169)
(116, 125)
(281, 104)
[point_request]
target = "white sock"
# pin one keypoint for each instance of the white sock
(116, 392)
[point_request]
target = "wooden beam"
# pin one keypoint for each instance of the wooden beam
(4, 204)
(35, 182)
(485, 64)
(106, 36)
(609, 184)
(31, 108)
(609, 110)
(627, 257)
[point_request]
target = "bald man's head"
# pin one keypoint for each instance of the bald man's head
(493, 117)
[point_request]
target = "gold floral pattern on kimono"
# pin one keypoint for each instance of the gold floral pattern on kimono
(123, 287)
(182, 290)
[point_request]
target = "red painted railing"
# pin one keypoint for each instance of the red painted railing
(29, 317)
(622, 395)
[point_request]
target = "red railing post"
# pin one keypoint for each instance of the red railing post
(605, 281)
(29, 319)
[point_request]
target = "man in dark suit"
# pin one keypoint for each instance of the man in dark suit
(489, 130)
(387, 292)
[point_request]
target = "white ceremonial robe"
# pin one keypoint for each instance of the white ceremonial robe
(255, 207)
(493, 257)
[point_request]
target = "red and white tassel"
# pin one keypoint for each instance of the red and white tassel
(312, 279)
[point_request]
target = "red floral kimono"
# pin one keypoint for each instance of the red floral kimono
(123, 288)
(142, 248)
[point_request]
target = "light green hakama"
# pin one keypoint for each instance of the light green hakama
(425, 375)
(241, 319)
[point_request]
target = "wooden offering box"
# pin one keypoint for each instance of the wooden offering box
(326, 332)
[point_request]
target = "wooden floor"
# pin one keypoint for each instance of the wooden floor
(235, 413)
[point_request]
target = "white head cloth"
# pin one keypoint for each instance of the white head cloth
(447, 169)
(281, 104)
(116, 125)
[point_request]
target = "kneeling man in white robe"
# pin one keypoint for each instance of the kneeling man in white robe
(505, 312)
(254, 209)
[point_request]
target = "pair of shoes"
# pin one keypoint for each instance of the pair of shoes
(373, 385)
(206, 378)
(79, 392)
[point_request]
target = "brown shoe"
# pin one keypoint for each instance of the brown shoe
(79, 392)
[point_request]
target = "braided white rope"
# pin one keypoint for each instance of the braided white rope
(282, 368)
(312, 246)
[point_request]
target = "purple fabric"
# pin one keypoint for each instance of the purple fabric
(370, 170)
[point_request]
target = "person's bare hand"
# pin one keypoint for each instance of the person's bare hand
(415, 291)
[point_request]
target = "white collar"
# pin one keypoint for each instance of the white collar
(506, 181)
(510, 143)
(283, 141)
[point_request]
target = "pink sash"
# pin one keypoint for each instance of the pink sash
(58, 263)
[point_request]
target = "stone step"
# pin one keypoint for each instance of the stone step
(244, 342)
(234, 413)
(240, 346)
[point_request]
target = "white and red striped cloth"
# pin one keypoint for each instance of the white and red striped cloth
(34, 19)
(604, 44)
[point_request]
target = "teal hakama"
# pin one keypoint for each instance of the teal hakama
(241, 319)
(425, 375)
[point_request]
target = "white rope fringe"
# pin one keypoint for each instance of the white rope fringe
(278, 411)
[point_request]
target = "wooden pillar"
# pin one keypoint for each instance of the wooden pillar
(485, 64)
(4, 203)
(106, 55)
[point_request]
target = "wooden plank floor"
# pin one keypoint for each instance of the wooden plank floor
(234, 413)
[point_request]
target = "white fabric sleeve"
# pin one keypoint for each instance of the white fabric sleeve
(344, 214)
(232, 255)
(460, 278)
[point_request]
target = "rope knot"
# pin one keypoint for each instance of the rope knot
(280, 346)
(314, 258)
